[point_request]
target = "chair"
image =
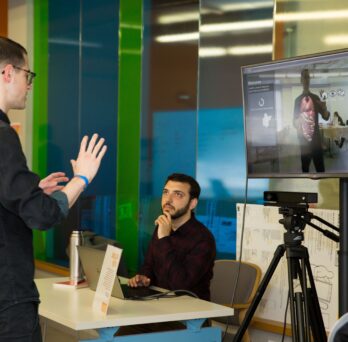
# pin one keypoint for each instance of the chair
(339, 331)
(222, 287)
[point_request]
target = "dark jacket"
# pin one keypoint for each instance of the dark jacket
(23, 207)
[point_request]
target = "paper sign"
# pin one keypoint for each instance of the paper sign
(106, 279)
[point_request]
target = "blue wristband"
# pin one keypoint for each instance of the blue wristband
(84, 178)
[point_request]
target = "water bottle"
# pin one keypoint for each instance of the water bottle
(76, 273)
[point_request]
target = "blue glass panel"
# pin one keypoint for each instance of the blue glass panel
(174, 146)
(63, 120)
(63, 84)
(221, 172)
(99, 78)
(224, 48)
(169, 116)
(83, 76)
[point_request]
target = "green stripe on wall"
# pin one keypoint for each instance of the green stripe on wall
(40, 100)
(128, 153)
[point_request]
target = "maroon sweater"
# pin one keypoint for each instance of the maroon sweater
(182, 261)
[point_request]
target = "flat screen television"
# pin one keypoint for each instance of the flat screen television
(296, 117)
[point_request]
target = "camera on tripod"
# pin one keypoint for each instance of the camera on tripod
(293, 207)
(289, 199)
(306, 319)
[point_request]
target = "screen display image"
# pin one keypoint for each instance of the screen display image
(296, 117)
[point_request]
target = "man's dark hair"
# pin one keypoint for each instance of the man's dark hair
(195, 189)
(11, 52)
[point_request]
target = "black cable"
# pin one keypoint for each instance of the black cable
(286, 311)
(240, 254)
(165, 294)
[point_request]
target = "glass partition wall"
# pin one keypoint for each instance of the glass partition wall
(192, 117)
(169, 103)
(232, 34)
(308, 27)
(190, 110)
(191, 114)
(82, 100)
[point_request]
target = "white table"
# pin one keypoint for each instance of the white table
(73, 308)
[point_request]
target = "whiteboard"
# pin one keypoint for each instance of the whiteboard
(263, 233)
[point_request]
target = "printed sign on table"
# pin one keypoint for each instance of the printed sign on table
(106, 280)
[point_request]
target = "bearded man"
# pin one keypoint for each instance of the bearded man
(182, 251)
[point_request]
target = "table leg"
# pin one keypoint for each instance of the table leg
(194, 324)
(105, 334)
(193, 333)
(43, 324)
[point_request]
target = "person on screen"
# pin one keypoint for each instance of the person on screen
(28, 203)
(308, 107)
(182, 251)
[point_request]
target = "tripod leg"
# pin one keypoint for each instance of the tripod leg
(315, 317)
(296, 302)
(279, 252)
(305, 301)
(308, 313)
(300, 317)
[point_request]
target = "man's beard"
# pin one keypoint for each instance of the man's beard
(180, 212)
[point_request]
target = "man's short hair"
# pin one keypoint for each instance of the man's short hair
(195, 189)
(11, 52)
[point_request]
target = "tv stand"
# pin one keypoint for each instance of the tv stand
(343, 249)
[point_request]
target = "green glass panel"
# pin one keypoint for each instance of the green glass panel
(40, 95)
(129, 129)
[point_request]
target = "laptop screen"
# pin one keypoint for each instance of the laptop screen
(92, 262)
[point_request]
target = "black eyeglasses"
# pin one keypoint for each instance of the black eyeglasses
(30, 74)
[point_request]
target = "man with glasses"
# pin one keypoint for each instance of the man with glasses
(28, 203)
(30, 74)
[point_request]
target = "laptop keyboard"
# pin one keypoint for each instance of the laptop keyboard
(137, 292)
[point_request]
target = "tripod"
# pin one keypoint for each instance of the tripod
(306, 318)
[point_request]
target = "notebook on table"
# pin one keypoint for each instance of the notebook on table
(92, 262)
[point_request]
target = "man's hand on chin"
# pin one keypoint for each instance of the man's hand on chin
(164, 223)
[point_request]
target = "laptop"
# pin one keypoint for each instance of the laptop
(92, 262)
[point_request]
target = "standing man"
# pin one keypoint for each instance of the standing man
(26, 202)
(182, 251)
(308, 107)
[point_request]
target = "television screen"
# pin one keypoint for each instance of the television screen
(296, 117)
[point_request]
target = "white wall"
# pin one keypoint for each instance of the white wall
(20, 29)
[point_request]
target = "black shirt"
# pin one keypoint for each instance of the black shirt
(183, 260)
(23, 207)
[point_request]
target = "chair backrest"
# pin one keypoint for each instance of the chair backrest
(224, 279)
(339, 331)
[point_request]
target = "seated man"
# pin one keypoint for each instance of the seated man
(182, 251)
